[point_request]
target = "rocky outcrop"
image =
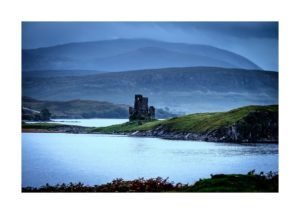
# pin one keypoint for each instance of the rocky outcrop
(257, 126)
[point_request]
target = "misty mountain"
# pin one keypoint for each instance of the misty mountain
(191, 89)
(59, 73)
(129, 54)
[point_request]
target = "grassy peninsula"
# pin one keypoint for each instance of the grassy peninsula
(250, 123)
(245, 124)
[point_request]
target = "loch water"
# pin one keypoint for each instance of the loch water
(98, 158)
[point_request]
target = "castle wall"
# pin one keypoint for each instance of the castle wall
(141, 111)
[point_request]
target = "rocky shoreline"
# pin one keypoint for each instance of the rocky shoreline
(197, 137)
(240, 132)
(56, 129)
(229, 134)
(209, 137)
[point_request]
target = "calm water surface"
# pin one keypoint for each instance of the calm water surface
(96, 159)
(87, 122)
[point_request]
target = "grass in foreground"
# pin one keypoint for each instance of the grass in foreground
(217, 183)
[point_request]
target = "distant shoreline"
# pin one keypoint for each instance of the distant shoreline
(249, 124)
(71, 129)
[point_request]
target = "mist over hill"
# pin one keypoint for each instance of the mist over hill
(191, 89)
(84, 109)
(129, 54)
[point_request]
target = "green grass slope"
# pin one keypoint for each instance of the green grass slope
(195, 123)
(236, 183)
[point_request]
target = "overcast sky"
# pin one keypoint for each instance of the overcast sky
(258, 41)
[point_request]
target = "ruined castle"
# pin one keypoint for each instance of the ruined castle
(140, 111)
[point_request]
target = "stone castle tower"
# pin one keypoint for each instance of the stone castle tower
(140, 111)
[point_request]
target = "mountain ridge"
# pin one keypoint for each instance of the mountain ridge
(84, 56)
(193, 88)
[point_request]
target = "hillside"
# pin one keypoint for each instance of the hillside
(190, 90)
(129, 54)
(84, 109)
(246, 124)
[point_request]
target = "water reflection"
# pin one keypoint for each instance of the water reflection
(95, 159)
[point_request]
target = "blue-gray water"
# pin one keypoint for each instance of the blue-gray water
(96, 159)
(95, 122)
